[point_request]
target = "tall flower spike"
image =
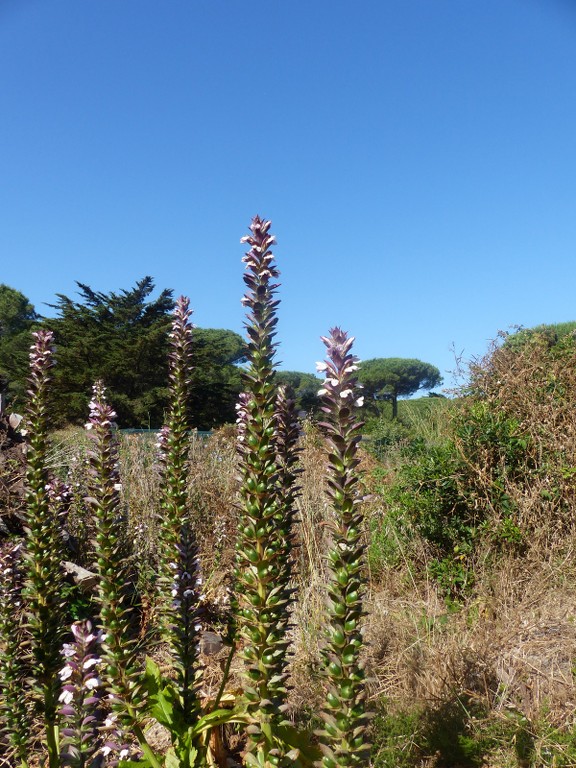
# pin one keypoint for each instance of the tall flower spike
(343, 737)
(81, 698)
(174, 446)
(44, 584)
(262, 598)
(120, 670)
(179, 564)
(15, 714)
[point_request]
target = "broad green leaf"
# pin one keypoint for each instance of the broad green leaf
(163, 701)
(152, 675)
(162, 708)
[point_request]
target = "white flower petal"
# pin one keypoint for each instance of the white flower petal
(66, 697)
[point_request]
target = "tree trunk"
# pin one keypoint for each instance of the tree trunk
(394, 407)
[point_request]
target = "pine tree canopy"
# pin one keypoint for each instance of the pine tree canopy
(122, 338)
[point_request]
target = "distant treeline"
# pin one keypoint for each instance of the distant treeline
(122, 338)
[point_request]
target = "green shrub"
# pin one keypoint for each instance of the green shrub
(456, 494)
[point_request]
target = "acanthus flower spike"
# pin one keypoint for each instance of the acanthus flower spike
(16, 715)
(179, 565)
(120, 670)
(263, 596)
(44, 589)
(343, 737)
(81, 698)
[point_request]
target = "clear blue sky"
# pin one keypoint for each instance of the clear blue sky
(417, 159)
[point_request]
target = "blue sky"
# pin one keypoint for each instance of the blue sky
(417, 159)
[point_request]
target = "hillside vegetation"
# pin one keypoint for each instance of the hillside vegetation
(472, 535)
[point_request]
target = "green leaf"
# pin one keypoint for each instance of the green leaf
(163, 701)
(171, 760)
(152, 676)
(162, 709)
(308, 752)
(216, 718)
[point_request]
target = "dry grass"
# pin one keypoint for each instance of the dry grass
(511, 646)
